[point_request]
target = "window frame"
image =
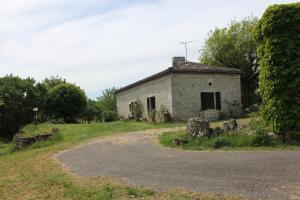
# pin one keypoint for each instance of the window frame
(212, 104)
(151, 104)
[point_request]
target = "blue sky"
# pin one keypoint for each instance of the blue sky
(103, 43)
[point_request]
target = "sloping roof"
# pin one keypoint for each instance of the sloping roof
(186, 67)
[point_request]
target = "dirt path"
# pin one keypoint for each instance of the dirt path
(137, 158)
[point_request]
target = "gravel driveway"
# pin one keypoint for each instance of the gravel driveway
(138, 159)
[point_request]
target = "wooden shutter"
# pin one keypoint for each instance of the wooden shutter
(148, 104)
(218, 100)
(203, 100)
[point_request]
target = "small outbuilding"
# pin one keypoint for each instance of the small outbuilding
(184, 90)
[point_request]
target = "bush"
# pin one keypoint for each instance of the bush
(222, 142)
(260, 130)
(109, 116)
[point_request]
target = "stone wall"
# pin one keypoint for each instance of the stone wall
(186, 90)
(160, 88)
(180, 93)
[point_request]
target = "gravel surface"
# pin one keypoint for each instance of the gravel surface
(138, 159)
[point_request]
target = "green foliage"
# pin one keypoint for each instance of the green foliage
(66, 101)
(53, 81)
(138, 193)
(138, 110)
(109, 116)
(108, 101)
(18, 97)
(235, 47)
(260, 130)
(201, 143)
(91, 112)
(278, 34)
(222, 142)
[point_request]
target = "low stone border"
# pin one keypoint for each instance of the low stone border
(23, 141)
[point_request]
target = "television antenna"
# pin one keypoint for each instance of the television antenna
(185, 45)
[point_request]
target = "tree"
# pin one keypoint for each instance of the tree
(235, 47)
(53, 81)
(91, 112)
(17, 99)
(66, 101)
(108, 101)
(278, 35)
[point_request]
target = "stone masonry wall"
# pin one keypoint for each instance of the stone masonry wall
(186, 90)
(160, 88)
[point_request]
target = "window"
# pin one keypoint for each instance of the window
(132, 106)
(151, 105)
(210, 100)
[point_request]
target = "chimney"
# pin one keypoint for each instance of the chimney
(178, 60)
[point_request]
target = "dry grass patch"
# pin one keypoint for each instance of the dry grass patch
(33, 173)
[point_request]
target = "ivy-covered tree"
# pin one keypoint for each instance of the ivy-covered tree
(278, 34)
(235, 47)
(65, 101)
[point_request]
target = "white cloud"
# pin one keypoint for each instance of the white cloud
(98, 45)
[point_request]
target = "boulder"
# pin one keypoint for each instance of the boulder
(198, 126)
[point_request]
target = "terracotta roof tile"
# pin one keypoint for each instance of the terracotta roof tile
(186, 67)
(201, 68)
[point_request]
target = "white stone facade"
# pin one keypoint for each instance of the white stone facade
(180, 93)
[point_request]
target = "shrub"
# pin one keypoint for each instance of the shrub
(152, 116)
(109, 116)
(260, 130)
(222, 142)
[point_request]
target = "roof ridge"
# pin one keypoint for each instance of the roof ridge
(186, 67)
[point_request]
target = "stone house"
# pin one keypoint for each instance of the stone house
(185, 90)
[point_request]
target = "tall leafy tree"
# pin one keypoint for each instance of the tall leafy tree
(278, 34)
(65, 101)
(235, 47)
(91, 112)
(17, 99)
(53, 81)
(107, 101)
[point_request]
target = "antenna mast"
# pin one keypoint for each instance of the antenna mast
(185, 45)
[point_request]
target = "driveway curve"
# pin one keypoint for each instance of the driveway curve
(138, 159)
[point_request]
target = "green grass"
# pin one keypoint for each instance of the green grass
(235, 140)
(32, 173)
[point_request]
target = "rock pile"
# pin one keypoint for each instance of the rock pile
(198, 126)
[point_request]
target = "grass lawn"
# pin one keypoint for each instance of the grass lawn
(33, 174)
(235, 140)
